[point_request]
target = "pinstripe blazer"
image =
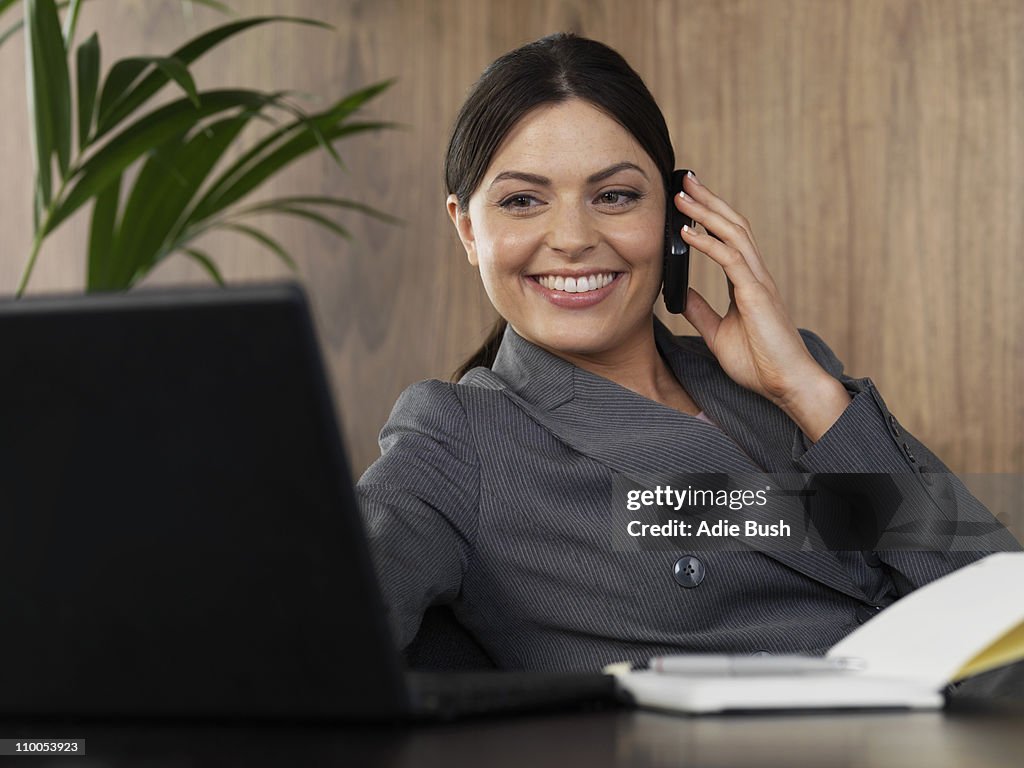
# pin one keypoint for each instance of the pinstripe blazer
(492, 496)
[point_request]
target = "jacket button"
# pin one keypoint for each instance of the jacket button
(866, 612)
(910, 453)
(894, 425)
(872, 559)
(761, 653)
(688, 571)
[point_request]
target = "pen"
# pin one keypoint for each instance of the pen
(711, 664)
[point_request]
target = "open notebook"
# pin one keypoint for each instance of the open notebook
(963, 624)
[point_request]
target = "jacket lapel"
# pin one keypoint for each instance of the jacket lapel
(748, 419)
(651, 443)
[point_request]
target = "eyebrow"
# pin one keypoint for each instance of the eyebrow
(544, 181)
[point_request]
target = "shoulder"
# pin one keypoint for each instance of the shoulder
(425, 397)
(429, 408)
(443, 410)
(433, 398)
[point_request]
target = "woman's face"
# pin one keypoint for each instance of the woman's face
(567, 230)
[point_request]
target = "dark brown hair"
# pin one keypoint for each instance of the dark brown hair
(553, 69)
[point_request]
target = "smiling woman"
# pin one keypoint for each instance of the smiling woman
(501, 495)
(570, 199)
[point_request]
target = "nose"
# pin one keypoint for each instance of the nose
(571, 231)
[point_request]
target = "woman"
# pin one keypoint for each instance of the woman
(495, 495)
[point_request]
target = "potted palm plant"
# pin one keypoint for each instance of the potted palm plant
(91, 134)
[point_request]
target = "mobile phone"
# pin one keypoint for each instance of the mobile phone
(676, 262)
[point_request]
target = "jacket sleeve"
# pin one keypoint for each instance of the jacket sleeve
(419, 502)
(935, 524)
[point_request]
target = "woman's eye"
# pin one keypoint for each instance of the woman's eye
(618, 198)
(519, 203)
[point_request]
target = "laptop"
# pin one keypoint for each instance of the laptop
(179, 534)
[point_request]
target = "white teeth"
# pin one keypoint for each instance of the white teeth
(581, 284)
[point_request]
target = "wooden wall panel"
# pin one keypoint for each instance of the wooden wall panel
(875, 145)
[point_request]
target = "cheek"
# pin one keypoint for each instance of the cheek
(505, 250)
(642, 245)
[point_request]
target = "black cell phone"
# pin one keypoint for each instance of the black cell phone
(676, 263)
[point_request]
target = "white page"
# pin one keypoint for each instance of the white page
(931, 633)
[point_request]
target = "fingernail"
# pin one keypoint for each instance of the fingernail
(693, 176)
(687, 228)
(684, 196)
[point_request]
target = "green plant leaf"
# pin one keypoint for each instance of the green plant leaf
(307, 122)
(186, 54)
(56, 81)
(88, 73)
(206, 263)
(337, 202)
(49, 92)
(101, 239)
(167, 182)
(145, 134)
(10, 32)
(272, 163)
(245, 174)
(127, 71)
(37, 205)
(316, 218)
(71, 22)
(16, 27)
(264, 239)
(178, 72)
(38, 114)
(119, 80)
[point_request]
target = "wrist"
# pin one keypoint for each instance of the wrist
(815, 404)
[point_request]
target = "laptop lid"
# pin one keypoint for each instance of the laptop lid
(178, 530)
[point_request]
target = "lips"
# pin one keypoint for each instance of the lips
(577, 284)
(575, 291)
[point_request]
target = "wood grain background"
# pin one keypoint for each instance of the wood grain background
(877, 146)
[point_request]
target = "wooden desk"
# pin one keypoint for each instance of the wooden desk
(980, 736)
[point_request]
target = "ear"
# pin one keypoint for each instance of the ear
(464, 227)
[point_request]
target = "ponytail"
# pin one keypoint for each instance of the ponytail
(484, 357)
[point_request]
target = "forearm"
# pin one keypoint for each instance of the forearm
(816, 404)
(934, 524)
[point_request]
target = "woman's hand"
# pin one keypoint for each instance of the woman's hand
(755, 342)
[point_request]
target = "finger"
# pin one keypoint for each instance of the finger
(723, 223)
(737, 269)
(702, 316)
(728, 232)
(706, 197)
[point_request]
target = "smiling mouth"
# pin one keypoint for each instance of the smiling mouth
(580, 284)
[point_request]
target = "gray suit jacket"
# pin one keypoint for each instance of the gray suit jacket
(493, 496)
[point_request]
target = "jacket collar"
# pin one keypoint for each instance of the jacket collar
(548, 382)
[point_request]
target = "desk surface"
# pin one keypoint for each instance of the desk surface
(981, 736)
